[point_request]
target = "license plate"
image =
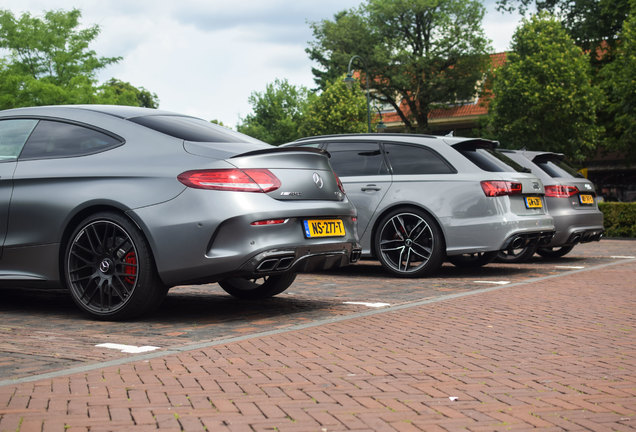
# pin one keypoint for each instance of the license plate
(534, 202)
(324, 228)
(586, 199)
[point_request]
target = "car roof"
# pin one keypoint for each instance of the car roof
(450, 140)
(120, 111)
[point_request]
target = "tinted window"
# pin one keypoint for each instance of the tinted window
(357, 159)
(191, 129)
(55, 139)
(13, 135)
(406, 159)
(491, 161)
(557, 168)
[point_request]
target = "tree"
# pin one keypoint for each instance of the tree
(619, 86)
(543, 97)
(589, 22)
(49, 62)
(425, 53)
(338, 109)
(116, 92)
(277, 113)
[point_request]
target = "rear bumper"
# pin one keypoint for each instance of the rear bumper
(201, 237)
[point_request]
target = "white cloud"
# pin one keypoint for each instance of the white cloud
(205, 57)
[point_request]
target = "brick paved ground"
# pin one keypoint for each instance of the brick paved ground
(554, 354)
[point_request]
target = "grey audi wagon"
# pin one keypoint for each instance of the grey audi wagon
(424, 199)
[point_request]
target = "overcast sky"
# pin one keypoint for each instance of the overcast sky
(205, 57)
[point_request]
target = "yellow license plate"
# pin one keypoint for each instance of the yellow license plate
(586, 199)
(534, 202)
(324, 228)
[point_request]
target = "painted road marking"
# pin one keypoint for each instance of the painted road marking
(128, 348)
(367, 304)
(492, 282)
(623, 257)
(570, 267)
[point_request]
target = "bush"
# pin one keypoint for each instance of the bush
(619, 218)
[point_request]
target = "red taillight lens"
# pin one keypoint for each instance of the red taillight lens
(269, 222)
(493, 188)
(246, 180)
(340, 185)
(560, 191)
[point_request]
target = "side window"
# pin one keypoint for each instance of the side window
(357, 159)
(52, 139)
(408, 159)
(13, 135)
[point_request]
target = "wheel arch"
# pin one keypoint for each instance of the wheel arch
(404, 206)
(82, 214)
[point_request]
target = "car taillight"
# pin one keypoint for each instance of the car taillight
(493, 188)
(340, 185)
(234, 179)
(560, 191)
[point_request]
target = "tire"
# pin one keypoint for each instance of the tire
(472, 260)
(109, 269)
(257, 288)
(409, 243)
(516, 255)
(554, 252)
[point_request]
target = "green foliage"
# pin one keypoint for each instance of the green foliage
(116, 92)
(277, 113)
(589, 22)
(543, 96)
(619, 219)
(49, 63)
(619, 86)
(336, 110)
(429, 53)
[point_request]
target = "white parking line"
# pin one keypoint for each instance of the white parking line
(570, 267)
(623, 257)
(492, 282)
(128, 348)
(372, 305)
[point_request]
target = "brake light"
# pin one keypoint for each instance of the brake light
(493, 188)
(234, 179)
(560, 191)
(340, 185)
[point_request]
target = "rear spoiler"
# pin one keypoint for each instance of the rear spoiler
(283, 150)
(476, 143)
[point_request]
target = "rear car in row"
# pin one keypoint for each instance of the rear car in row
(570, 199)
(425, 199)
(120, 203)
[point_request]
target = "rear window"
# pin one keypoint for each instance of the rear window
(191, 129)
(491, 160)
(556, 168)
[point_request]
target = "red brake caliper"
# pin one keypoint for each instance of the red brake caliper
(130, 270)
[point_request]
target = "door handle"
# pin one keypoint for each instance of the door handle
(370, 187)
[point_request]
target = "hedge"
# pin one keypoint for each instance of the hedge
(619, 218)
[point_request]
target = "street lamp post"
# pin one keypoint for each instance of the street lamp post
(349, 80)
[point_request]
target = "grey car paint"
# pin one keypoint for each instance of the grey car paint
(471, 222)
(574, 222)
(195, 235)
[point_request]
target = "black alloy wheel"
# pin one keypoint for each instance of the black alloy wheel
(109, 268)
(554, 252)
(472, 260)
(408, 243)
(257, 288)
(518, 255)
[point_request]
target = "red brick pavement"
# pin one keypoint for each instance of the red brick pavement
(554, 354)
